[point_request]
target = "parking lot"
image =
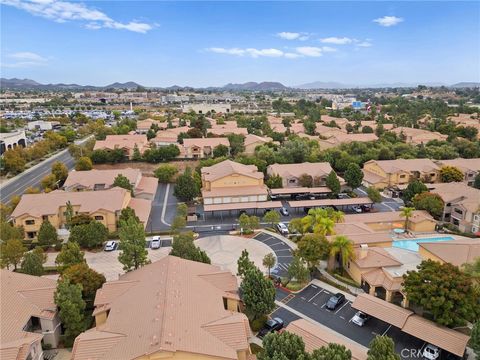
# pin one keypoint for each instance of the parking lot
(311, 302)
(282, 252)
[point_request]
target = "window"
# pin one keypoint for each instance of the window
(402, 176)
(45, 217)
(31, 234)
(29, 222)
(98, 217)
(458, 211)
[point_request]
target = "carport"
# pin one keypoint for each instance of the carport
(330, 202)
(220, 208)
(407, 321)
(300, 191)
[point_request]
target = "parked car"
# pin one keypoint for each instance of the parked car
(266, 211)
(335, 301)
(155, 243)
(343, 196)
(431, 352)
(284, 211)
(306, 210)
(271, 325)
(110, 246)
(366, 208)
(360, 318)
(357, 209)
(282, 228)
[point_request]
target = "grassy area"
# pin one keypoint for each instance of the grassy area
(295, 285)
(255, 349)
(344, 277)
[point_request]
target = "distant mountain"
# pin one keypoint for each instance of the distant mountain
(254, 86)
(466, 84)
(27, 84)
(127, 85)
(18, 83)
(337, 85)
(323, 85)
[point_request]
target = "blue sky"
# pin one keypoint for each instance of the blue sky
(212, 43)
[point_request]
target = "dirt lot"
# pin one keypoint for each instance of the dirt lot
(147, 168)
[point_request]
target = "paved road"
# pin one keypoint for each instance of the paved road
(32, 178)
(282, 252)
(164, 208)
(310, 303)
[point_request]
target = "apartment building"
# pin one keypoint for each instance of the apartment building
(200, 148)
(337, 139)
(144, 125)
(469, 167)
(125, 142)
(231, 182)
(458, 252)
(252, 141)
(188, 310)
(144, 187)
(383, 174)
(291, 173)
(462, 205)
(103, 206)
(29, 316)
(418, 136)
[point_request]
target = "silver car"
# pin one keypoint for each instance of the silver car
(155, 243)
(360, 318)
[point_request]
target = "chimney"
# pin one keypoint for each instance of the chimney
(363, 251)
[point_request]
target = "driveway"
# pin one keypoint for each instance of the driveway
(310, 303)
(282, 251)
(164, 208)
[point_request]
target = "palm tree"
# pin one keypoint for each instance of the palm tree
(343, 246)
(321, 221)
(407, 213)
(325, 227)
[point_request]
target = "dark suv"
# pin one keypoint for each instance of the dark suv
(335, 301)
(271, 325)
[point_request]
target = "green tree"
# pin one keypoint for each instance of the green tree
(283, 346)
(430, 202)
(258, 293)
(274, 182)
(84, 164)
(331, 352)
(136, 155)
(9, 232)
(382, 348)
(374, 194)
(407, 213)
(444, 291)
(68, 298)
(451, 174)
(313, 248)
(179, 222)
(353, 175)
(69, 214)
(14, 160)
(269, 261)
(473, 270)
(319, 221)
(297, 270)
(186, 188)
(475, 338)
(32, 263)
(60, 171)
(49, 182)
(248, 223)
(333, 183)
(47, 235)
(123, 182)
(90, 235)
(11, 253)
(343, 247)
(414, 188)
(295, 226)
(184, 247)
(244, 264)
(272, 217)
(69, 255)
(220, 150)
(89, 279)
(165, 173)
(236, 143)
(126, 214)
(133, 245)
(305, 180)
(476, 183)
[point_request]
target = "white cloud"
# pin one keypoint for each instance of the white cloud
(293, 35)
(388, 21)
(292, 55)
(63, 11)
(252, 52)
(24, 59)
(27, 56)
(336, 40)
(310, 51)
(364, 44)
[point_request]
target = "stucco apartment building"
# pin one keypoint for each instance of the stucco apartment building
(231, 182)
(144, 125)
(469, 167)
(125, 142)
(103, 206)
(418, 136)
(230, 127)
(462, 205)
(383, 174)
(472, 120)
(29, 316)
(170, 309)
(339, 138)
(291, 173)
(202, 147)
(252, 141)
(144, 187)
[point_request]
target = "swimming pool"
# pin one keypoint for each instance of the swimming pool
(413, 244)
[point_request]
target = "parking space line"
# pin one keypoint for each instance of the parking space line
(387, 330)
(313, 286)
(278, 243)
(314, 296)
(303, 298)
(283, 250)
(342, 307)
(324, 305)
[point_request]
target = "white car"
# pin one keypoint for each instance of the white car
(284, 211)
(110, 246)
(282, 228)
(360, 318)
(431, 352)
(155, 242)
(357, 209)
